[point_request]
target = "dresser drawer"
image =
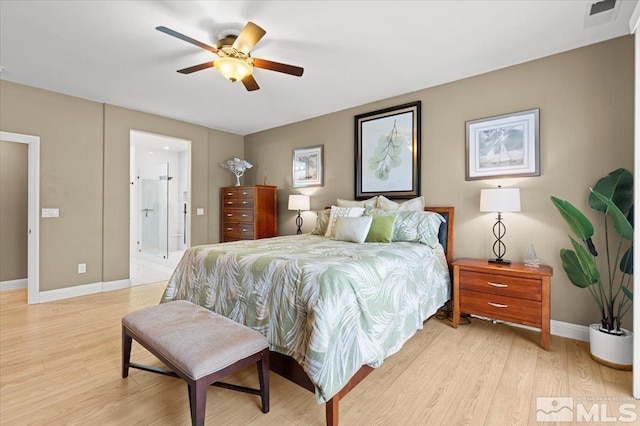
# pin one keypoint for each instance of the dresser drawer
(505, 285)
(237, 193)
(238, 215)
(527, 312)
(246, 203)
(244, 231)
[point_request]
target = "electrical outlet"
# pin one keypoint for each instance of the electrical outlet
(82, 268)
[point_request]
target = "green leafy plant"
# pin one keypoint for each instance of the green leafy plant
(610, 286)
(387, 154)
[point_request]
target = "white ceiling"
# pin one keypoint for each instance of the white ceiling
(353, 52)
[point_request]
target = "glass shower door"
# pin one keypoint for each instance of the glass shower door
(153, 228)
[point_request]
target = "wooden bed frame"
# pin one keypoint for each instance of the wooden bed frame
(288, 368)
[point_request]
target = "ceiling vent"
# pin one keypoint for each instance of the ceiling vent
(600, 13)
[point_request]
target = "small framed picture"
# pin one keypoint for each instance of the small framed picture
(307, 166)
(504, 146)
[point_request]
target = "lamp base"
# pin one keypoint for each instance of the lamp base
(500, 261)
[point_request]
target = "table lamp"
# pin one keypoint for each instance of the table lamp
(299, 202)
(499, 200)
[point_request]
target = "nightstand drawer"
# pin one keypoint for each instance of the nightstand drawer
(494, 306)
(238, 215)
(504, 285)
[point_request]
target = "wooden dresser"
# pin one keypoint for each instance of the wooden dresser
(248, 212)
(514, 293)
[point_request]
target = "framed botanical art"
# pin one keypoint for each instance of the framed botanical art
(504, 146)
(307, 166)
(387, 152)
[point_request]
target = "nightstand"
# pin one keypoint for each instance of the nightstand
(515, 293)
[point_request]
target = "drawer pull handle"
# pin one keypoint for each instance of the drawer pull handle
(245, 193)
(229, 202)
(229, 229)
(244, 230)
(245, 215)
(498, 305)
(229, 215)
(229, 193)
(245, 202)
(492, 284)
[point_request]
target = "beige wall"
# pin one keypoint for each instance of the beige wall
(586, 130)
(84, 172)
(14, 177)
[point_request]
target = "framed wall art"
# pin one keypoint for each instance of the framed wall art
(387, 152)
(504, 146)
(307, 166)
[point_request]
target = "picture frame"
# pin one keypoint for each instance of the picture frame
(387, 152)
(307, 167)
(503, 146)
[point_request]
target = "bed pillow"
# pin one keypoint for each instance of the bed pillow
(321, 222)
(337, 212)
(421, 227)
(381, 228)
(354, 229)
(415, 204)
(371, 202)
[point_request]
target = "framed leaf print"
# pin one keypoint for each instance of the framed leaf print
(387, 152)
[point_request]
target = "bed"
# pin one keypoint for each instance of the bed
(331, 310)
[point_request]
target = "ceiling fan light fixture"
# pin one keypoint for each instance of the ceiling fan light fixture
(233, 69)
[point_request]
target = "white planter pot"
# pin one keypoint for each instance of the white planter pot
(610, 350)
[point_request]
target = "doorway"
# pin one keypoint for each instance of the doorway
(33, 207)
(159, 200)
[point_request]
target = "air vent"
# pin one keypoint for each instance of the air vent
(600, 13)
(602, 6)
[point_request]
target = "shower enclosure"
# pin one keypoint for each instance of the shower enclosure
(153, 219)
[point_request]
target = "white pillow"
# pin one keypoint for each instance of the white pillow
(337, 212)
(414, 205)
(352, 203)
(354, 229)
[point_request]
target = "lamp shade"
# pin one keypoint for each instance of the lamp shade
(500, 200)
(299, 202)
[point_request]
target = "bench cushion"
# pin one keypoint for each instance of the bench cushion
(197, 341)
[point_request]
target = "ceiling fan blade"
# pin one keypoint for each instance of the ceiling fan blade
(248, 37)
(277, 66)
(195, 68)
(187, 39)
(250, 83)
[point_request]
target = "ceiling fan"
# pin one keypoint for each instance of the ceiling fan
(234, 56)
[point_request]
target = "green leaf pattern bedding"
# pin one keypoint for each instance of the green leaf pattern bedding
(331, 305)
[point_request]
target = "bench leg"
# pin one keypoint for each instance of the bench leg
(197, 401)
(263, 376)
(126, 352)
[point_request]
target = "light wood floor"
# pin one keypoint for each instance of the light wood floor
(60, 364)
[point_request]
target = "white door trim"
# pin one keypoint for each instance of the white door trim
(33, 261)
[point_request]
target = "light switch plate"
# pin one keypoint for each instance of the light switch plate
(50, 212)
(200, 212)
(82, 268)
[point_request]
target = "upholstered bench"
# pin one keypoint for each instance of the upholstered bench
(198, 346)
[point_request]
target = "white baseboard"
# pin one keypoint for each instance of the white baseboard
(82, 290)
(13, 284)
(569, 330)
(558, 328)
(116, 285)
(66, 293)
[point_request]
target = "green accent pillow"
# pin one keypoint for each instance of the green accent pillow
(321, 222)
(381, 228)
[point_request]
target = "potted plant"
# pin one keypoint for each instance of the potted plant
(608, 278)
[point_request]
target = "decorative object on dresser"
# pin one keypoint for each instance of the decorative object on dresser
(299, 202)
(387, 152)
(249, 212)
(307, 168)
(499, 200)
(514, 293)
(610, 281)
(237, 167)
(504, 146)
(531, 258)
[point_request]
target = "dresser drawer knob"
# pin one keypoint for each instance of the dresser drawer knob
(245, 202)
(245, 193)
(229, 215)
(245, 215)
(492, 284)
(229, 229)
(229, 202)
(229, 194)
(244, 230)
(497, 305)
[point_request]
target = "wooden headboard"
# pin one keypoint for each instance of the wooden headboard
(445, 234)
